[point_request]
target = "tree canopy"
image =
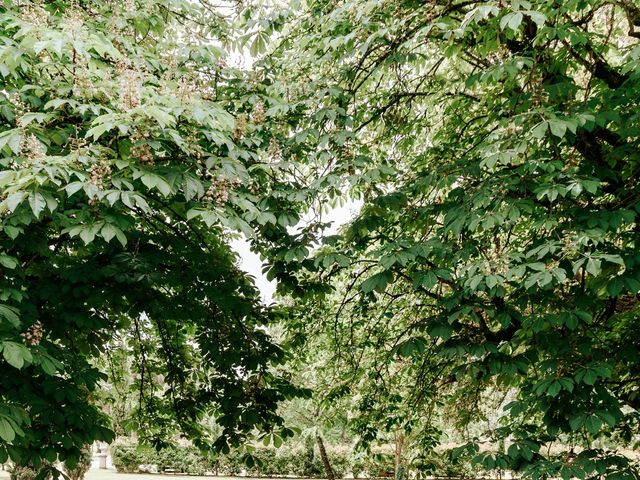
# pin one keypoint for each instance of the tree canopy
(494, 146)
(131, 152)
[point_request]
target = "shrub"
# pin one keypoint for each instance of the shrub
(22, 473)
(444, 464)
(295, 460)
(17, 472)
(129, 458)
(376, 465)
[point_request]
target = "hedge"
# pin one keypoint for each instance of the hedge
(271, 462)
(134, 459)
(268, 462)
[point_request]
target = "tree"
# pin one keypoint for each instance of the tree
(496, 150)
(391, 384)
(130, 154)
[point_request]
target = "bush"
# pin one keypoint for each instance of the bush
(295, 460)
(17, 472)
(184, 460)
(189, 460)
(230, 465)
(376, 465)
(22, 473)
(444, 464)
(128, 458)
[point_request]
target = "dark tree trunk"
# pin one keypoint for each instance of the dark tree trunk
(325, 459)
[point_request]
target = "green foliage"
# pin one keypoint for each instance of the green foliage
(257, 462)
(495, 148)
(490, 280)
(129, 152)
(84, 464)
(130, 458)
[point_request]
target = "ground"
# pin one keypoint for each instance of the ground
(97, 474)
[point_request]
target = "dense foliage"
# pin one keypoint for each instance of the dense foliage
(130, 152)
(489, 282)
(495, 147)
(269, 462)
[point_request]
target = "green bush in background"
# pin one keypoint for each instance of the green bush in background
(134, 458)
(267, 462)
(277, 462)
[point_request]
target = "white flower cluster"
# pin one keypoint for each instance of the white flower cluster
(218, 191)
(240, 127)
(141, 151)
(274, 151)
(34, 15)
(98, 172)
(257, 115)
(130, 89)
(33, 149)
(33, 336)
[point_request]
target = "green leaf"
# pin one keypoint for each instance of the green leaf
(377, 282)
(37, 203)
(8, 262)
(538, 18)
(405, 349)
(110, 230)
(426, 280)
(155, 181)
(192, 188)
(557, 128)
(15, 354)
(593, 266)
(576, 422)
(608, 417)
(593, 424)
(7, 433)
(87, 234)
(49, 365)
(540, 130)
(14, 200)
(10, 314)
(441, 330)
(554, 388)
(511, 20)
(13, 139)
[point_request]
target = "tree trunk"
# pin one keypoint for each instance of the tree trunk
(325, 459)
(399, 469)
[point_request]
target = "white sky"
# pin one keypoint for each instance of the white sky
(250, 262)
